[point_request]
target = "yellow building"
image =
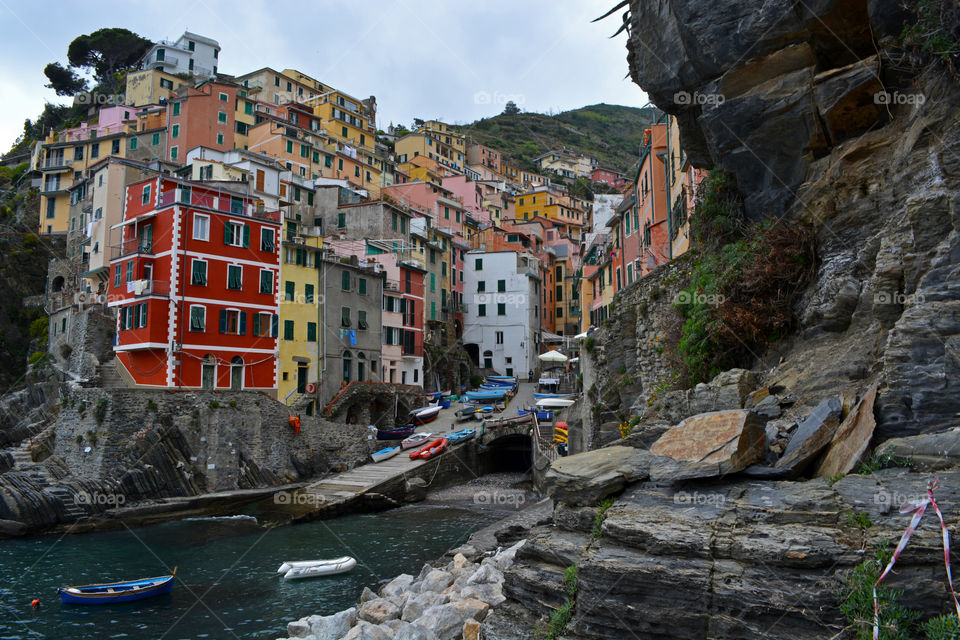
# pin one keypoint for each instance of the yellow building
(549, 204)
(301, 329)
(151, 86)
(435, 140)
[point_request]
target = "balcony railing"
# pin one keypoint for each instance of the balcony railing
(135, 245)
(217, 203)
(148, 287)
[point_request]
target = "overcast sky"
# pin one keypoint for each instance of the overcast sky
(445, 59)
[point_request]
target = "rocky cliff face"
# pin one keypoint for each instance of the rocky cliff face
(110, 448)
(801, 103)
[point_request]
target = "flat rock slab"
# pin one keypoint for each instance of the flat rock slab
(813, 434)
(586, 478)
(851, 439)
(929, 451)
(708, 445)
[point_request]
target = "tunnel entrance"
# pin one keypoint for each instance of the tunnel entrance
(511, 453)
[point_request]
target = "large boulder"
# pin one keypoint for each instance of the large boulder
(398, 586)
(586, 478)
(436, 581)
(708, 445)
(851, 440)
(813, 434)
(332, 627)
(446, 620)
(378, 611)
(417, 604)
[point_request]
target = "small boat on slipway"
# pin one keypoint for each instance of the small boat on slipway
(114, 592)
(385, 454)
(461, 436)
(425, 415)
(415, 440)
(394, 434)
(315, 568)
(432, 450)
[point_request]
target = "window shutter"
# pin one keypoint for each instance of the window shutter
(223, 320)
(276, 325)
(243, 323)
(246, 236)
(256, 324)
(226, 233)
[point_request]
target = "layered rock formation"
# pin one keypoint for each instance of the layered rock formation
(114, 448)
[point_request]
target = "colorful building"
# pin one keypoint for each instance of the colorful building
(435, 140)
(195, 286)
(201, 116)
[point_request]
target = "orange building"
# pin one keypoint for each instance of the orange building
(201, 116)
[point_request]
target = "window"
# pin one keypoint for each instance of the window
(190, 64)
(133, 143)
(201, 227)
(289, 291)
(176, 108)
(174, 152)
(288, 329)
(481, 285)
(478, 264)
(198, 273)
(248, 108)
(345, 316)
(236, 234)
(481, 310)
(308, 293)
(289, 146)
(266, 240)
(224, 97)
(221, 116)
(175, 131)
(219, 138)
(145, 199)
(262, 324)
(345, 280)
(311, 332)
(499, 336)
(361, 319)
(140, 315)
(130, 271)
(51, 208)
(433, 282)
(234, 277)
(266, 281)
(501, 285)
(362, 286)
(116, 275)
(198, 318)
(156, 139)
(501, 309)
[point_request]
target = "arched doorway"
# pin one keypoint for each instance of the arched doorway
(57, 285)
(208, 372)
(236, 373)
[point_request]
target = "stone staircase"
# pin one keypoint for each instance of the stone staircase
(109, 377)
(23, 462)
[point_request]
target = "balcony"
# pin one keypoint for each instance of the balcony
(148, 288)
(133, 245)
(222, 203)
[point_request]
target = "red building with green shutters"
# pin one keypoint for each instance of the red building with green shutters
(195, 284)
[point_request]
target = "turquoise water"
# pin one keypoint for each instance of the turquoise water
(228, 586)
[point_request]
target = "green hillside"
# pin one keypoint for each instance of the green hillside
(610, 132)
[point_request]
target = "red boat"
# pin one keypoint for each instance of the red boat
(432, 450)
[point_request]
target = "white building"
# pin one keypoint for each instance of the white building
(191, 53)
(501, 329)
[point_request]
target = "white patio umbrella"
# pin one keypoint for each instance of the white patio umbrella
(553, 356)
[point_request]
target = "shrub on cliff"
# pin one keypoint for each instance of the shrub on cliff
(745, 279)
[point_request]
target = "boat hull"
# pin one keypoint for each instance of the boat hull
(432, 450)
(541, 396)
(415, 441)
(395, 434)
(423, 416)
(327, 568)
(385, 454)
(117, 592)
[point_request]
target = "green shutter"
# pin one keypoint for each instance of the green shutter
(246, 236)
(276, 325)
(345, 280)
(363, 286)
(256, 324)
(243, 323)
(223, 320)
(227, 236)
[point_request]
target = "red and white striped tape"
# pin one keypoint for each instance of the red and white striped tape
(918, 508)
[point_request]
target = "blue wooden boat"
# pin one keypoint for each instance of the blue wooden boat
(538, 396)
(485, 395)
(499, 383)
(114, 592)
(395, 434)
(461, 436)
